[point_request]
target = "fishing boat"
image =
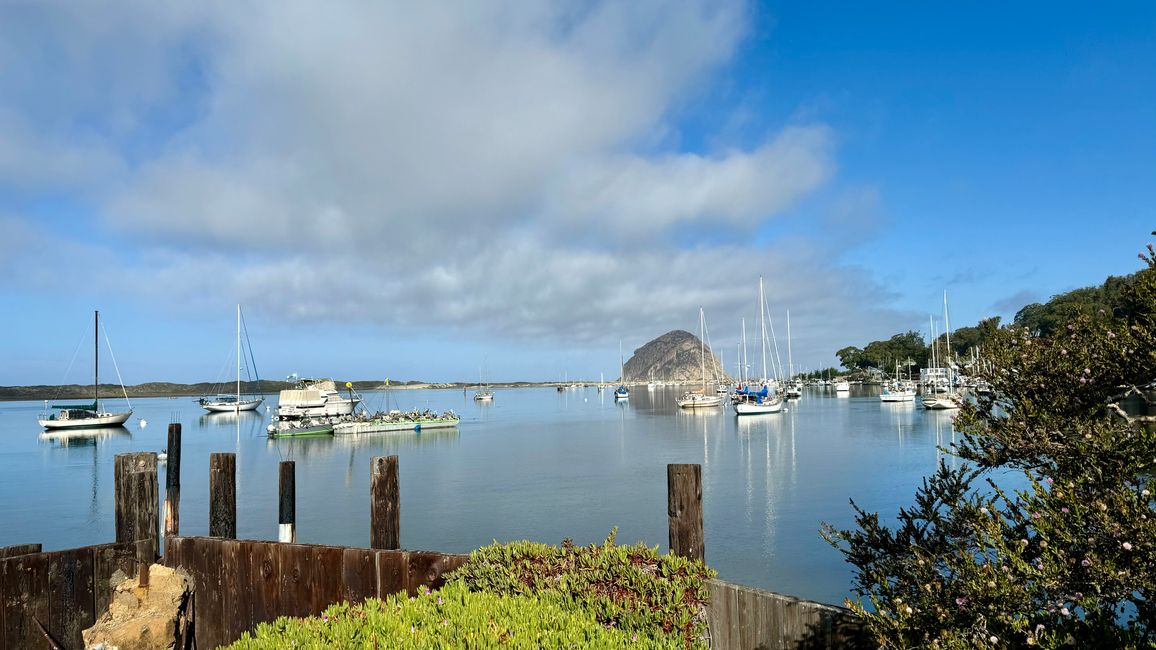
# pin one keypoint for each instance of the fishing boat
(621, 393)
(760, 401)
(312, 407)
(235, 403)
(397, 420)
(703, 398)
(86, 416)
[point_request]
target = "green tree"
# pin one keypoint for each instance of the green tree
(1070, 559)
(851, 357)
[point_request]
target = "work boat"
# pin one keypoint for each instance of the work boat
(87, 416)
(312, 408)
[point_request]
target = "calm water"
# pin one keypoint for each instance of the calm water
(535, 464)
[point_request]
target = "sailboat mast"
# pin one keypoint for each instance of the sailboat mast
(96, 359)
(763, 328)
(702, 344)
(947, 327)
(237, 404)
(746, 361)
(790, 359)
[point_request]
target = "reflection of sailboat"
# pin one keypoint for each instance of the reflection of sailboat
(82, 437)
(86, 416)
(225, 403)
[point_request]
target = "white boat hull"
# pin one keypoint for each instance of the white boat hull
(699, 401)
(98, 420)
(231, 406)
(897, 397)
(754, 408)
(483, 397)
(943, 403)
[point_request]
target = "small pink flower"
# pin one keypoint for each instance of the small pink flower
(1083, 381)
(325, 617)
(961, 601)
(1127, 546)
(1087, 371)
(1065, 612)
(1086, 562)
(633, 637)
(1048, 480)
(439, 600)
(1035, 515)
(1065, 510)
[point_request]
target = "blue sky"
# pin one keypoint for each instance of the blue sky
(421, 192)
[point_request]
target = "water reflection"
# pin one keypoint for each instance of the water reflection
(83, 437)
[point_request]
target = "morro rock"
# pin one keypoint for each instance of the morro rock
(674, 356)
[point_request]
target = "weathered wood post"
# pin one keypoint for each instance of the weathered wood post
(173, 481)
(384, 513)
(137, 503)
(223, 495)
(287, 510)
(684, 510)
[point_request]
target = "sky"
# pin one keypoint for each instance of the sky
(512, 190)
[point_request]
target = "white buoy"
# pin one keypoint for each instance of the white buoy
(142, 423)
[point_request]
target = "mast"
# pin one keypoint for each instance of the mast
(702, 345)
(96, 359)
(763, 328)
(947, 328)
(790, 359)
(746, 361)
(237, 404)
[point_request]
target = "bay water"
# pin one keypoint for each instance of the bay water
(534, 464)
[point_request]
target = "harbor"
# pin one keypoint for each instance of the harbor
(510, 467)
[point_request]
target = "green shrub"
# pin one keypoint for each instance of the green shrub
(452, 617)
(630, 588)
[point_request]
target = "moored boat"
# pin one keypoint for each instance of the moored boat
(396, 420)
(235, 402)
(86, 416)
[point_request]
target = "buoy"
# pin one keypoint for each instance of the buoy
(143, 423)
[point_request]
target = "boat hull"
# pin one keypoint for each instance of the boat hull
(483, 397)
(754, 408)
(940, 403)
(699, 402)
(99, 420)
(303, 430)
(385, 426)
(897, 397)
(231, 407)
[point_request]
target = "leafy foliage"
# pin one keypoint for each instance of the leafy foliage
(631, 588)
(1069, 561)
(900, 348)
(453, 617)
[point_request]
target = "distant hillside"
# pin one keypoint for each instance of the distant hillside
(674, 356)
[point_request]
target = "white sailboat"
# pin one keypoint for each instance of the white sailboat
(621, 393)
(484, 394)
(794, 387)
(225, 403)
(949, 400)
(87, 416)
(693, 399)
(762, 401)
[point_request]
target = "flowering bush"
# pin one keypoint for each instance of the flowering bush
(1069, 561)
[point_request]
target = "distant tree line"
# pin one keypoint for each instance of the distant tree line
(1039, 319)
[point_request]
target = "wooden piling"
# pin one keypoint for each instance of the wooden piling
(223, 495)
(287, 508)
(385, 514)
(137, 502)
(684, 510)
(173, 481)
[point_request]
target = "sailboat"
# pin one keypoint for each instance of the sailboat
(949, 400)
(226, 403)
(700, 399)
(484, 393)
(794, 388)
(622, 392)
(749, 402)
(86, 416)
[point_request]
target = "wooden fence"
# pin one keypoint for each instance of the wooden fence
(240, 583)
(48, 598)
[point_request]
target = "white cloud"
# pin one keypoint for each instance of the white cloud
(491, 166)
